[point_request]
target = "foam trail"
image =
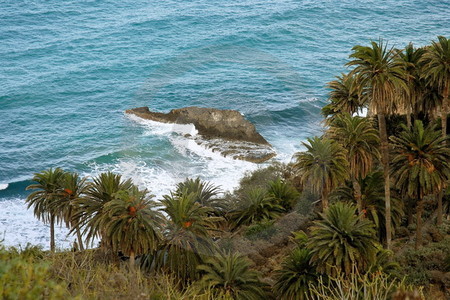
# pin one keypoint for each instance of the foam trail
(220, 170)
(158, 128)
(209, 165)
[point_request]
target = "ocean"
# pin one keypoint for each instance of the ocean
(69, 70)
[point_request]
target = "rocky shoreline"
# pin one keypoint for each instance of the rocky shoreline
(225, 131)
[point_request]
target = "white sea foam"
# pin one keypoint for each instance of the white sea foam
(157, 180)
(209, 165)
(18, 226)
(362, 112)
(216, 168)
(158, 128)
(3, 186)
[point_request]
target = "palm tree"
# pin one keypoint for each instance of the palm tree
(205, 193)
(295, 276)
(411, 98)
(346, 96)
(437, 69)
(91, 210)
(72, 191)
(421, 165)
(229, 275)
(360, 138)
(48, 190)
(187, 235)
(378, 71)
(323, 166)
(384, 263)
(341, 240)
(372, 202)
(256, 205)
(283, 192)
(131, 223)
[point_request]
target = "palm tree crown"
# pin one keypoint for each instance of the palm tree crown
(187, 238)
(229, 275)
(359, 137)
(323, 166)
(256, 205)
(372, 202)
(48, 192)
(98, 193)
(131, 222)
(346, 96)
(295, 276)
(437, 62)
(421, 163)
(205, 193)
(411, 100)
(341, 239)
(73, 188)
(436, 69)
(378, 70)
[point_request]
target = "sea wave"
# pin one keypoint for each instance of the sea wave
(18, 227)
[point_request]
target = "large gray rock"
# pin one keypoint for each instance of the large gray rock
(226, 130)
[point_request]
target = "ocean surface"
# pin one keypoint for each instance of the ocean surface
(69, 69)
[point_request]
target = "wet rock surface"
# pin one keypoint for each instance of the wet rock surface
(225, 131)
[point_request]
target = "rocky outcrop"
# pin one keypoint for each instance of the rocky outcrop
(226, 131)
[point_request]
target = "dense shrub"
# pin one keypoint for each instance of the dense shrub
(261, 230)
(416, 264)
(25, 275)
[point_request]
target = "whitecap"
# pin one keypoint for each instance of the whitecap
(165, 129)
(18, 226)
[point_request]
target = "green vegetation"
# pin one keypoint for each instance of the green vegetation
(228, 275)
(342, 241)
(296, 275)
(323, 166)
(420, 165)
(358, 136)
(372, 175)
(44, 199)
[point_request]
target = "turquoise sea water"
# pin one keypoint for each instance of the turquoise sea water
(69, 69)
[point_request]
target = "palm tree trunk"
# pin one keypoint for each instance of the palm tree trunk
(80, 239)
(105, 243)
(408, 116)
(408, 120)
(409, 209)
(357, 194)
(132, 260)
(324, 200)
(387, 187)
(52, 233)
(444, 111)
(419, 224)
(440, 196)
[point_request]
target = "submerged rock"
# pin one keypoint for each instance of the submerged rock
(226, 131)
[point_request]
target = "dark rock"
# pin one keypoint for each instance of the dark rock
(210, 122)
(217, 126)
